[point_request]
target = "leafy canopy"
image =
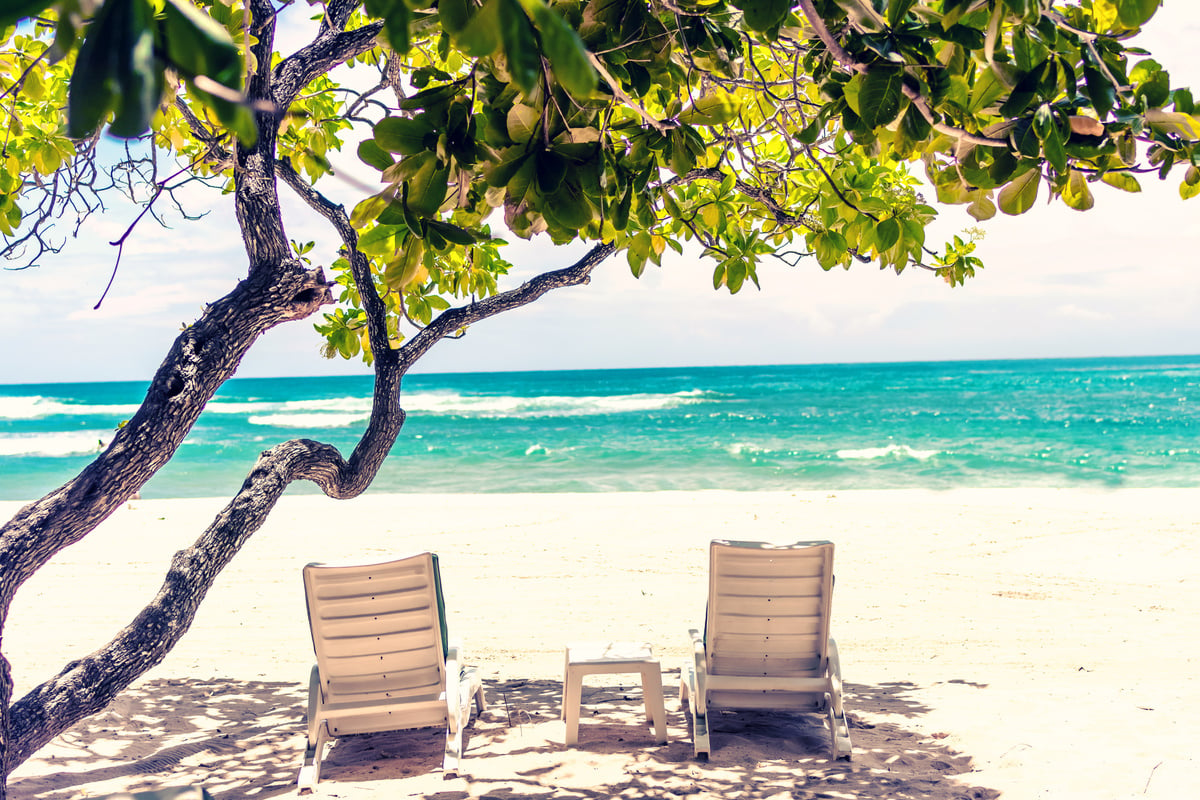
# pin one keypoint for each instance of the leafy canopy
(755, 128)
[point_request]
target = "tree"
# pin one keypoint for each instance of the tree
(751, 129)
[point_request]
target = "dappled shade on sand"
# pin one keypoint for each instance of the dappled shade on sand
(244, 739)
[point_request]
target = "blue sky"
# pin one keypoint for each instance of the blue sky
(1122, 279)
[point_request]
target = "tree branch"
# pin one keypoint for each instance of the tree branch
(454, 319)
(85, 686)
(330, 48)
(847, 61)
(201, 359)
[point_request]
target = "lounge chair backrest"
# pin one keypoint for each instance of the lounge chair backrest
(768, 608)
(378, 629)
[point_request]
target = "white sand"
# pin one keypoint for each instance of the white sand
(1034, 643)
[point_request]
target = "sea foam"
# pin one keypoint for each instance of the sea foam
(36, 407)
(464, 405)
(55, 445)
(897, 450)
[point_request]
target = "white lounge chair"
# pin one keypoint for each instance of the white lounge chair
(383, 660)
(766, 641)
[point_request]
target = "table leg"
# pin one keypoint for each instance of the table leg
(652, 694)
(572, 696)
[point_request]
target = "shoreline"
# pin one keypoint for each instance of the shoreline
(1042, 638)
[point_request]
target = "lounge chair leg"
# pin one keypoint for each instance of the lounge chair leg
(694, 690)
(480, 700)
(700, 733)
(839, 728)
(839, 733)
(310, 770)
(318, 735)
(453, 757)
(688, 697)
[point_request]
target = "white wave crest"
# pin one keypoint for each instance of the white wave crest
(543, 450)
(37, 407)
(746, 449)
(314, 420)
(54, 445)
(895, 450)
(361, 405)
(454, 404)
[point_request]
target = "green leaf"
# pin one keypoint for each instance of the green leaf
(520, 45)
(511, 159)
(454, 15)
(373, 155)
(396, 17)
(914, 125)
(1100, 90)
(551, 170)
(887, 233)
(392, 214)
(986, 90)
(897, 9)
(568, 207)
(1076, 193)
(201, 50)
(763, 15)
(116, 70)
(14, 10)
(402, 135)
(881, 96)
(682, 160)
(1136, 13)
(567, 54)
(196, 44)
(1183, 101)
(481, 37)
(452, 233)
(1189, 190)
(1182, 125)
(1020, 194)
(93, 88)
(427, 189)
(139, 74)
(522, 121)
(715, 108)
(1056, 154)
(1023, 92)
(620, 219)
(1122, 180)
(830, 247)
(982, 208)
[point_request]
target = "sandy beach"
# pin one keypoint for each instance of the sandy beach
(1015, 643)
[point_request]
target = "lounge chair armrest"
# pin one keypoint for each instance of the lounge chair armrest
(835, 676)
(453, 679)
(316, 695)
(700, 665)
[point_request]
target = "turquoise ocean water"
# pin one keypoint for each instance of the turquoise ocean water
(1092, 422)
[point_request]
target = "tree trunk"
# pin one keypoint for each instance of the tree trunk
(276, 290)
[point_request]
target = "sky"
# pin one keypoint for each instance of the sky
(1122, 279)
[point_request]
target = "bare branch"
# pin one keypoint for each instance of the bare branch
(847, 61)
(454, 319)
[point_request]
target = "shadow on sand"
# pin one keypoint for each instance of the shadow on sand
(244, 739)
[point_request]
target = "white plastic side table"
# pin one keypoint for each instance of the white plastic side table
(612, 657)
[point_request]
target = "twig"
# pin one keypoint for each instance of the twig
(843, 57)
(658, 125)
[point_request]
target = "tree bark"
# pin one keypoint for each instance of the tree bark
(277, 289)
